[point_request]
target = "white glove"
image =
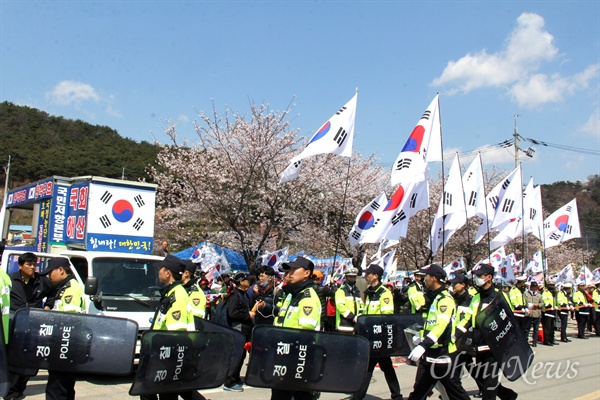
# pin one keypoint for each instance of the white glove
(572, 308)
(416, 354)
(416, 340)
(529, 305)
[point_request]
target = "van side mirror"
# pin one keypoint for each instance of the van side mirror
(91, 285)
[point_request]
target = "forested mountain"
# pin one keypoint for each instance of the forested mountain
(42, 145)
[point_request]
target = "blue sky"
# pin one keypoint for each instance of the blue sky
(131, 65)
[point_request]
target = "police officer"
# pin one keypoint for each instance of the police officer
(378, 300)
(28, 290)
(435, 351)
(348, 302)
(415, 293)
(563, 300)
(549, 313)
(462, 300)
(596, 299)
(515, 296)
(4, 303)
(173, 313)
(486, 363)
(68, 298)
(582, 312)
(195, 293)
(301, 309)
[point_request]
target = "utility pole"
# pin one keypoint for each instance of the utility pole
(525, 241)
(516, 135)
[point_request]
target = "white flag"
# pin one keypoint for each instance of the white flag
(532, 208)
(452, 202)
(455, 266)
(491, 201)
(366, 219)
(510, 201)
(474, 189)
(334, 137)
(535, 264)
(585, 276)
(505, 273)
(275, 258)
(562, 225)
(416, 200)
(423, 145)
(566, 275)
(389, 271)
(596, 274)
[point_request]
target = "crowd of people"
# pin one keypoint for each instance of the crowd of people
(296, 295)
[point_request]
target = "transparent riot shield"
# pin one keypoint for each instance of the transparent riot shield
(179, 361)
(385, 332)
(72, 342)
(239, 339)
(294, 359)
(501, 332)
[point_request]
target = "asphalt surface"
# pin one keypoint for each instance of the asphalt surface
(568, 371)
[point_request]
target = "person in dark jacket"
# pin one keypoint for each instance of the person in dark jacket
(241, 318)
(264, 293)
(29, 290)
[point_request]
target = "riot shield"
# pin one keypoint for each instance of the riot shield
(239, 339)
(4, 381)
(72, 342)
(179, 361)
(501, 332)
(385, 332)
(293, 359)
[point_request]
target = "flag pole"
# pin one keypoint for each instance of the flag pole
(487, 222)
(443, 183)
(339, 227)
(4, 201)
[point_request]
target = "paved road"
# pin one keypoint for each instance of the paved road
(568, 371)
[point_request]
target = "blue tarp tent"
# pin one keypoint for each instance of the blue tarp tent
(235, 259)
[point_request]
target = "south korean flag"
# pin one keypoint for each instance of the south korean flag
(121, 210)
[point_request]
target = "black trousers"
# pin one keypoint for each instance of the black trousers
(429, 374)
(548, 324)
(466, 361)
(18, 384)
(564, 320)
(534, 323)
(387, 367)
(235, 376)
(60, 386)
(488, 373)
(582, 320)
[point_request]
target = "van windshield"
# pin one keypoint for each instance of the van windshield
(126, 276)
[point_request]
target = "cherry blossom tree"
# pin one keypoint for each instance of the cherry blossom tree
(224, 188)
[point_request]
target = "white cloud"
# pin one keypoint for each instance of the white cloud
(183, 118)
(490, 154)
(539, 89)
(592, 126)
(516, 67)
(69, 92)
(114, 112)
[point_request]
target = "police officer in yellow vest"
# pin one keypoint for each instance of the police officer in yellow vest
(174, 312)
(378, 300)
(4, 303)
(415, 293)
(517, 303)
(483, 276)
(596, 300)
(436, 351)
(195, 293)
(68, 298)
(549, 313)
(563, 301)
(301, 309)
(582, 310)
(348, 302)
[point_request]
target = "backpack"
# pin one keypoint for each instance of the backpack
(221, 315)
